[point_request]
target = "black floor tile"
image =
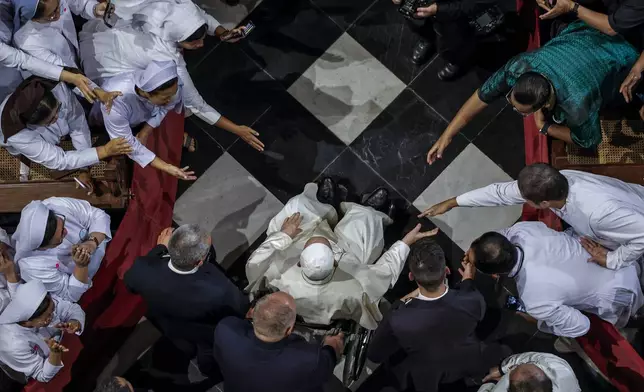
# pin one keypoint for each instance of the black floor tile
(503, 142)
(448, 97)
(194, 57)
(396, 144)
(233, 84)
(290, 36)
(391, 38)
(208, 151)
(297, 148)
(343, 12)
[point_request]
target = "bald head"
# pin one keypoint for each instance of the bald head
(274, 316)
(529, 378)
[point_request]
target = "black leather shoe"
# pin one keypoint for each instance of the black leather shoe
(449, 72)
(377, 199)
(326, 191)
(421, 52)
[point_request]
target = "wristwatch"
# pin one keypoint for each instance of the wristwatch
(91, 237)
(544, 129)
(575, 8)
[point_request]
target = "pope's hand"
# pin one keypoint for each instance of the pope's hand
(291, 225)
(415, 234)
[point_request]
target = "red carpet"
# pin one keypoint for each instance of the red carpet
(603, 344)
(112, 312)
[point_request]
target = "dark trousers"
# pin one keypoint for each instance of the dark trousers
(455, 40)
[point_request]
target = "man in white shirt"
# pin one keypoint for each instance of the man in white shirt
(604, 210)
(532, 371)
(31, 328)
(61, 241)
(554, 279)
(332, 274)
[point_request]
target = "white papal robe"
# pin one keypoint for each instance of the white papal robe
(556, 369)
(357, 242)
(108, 52)
(55, 42)
(40, 143)
(607, 210)
(556, 282)
(25, 350)
(54, 267)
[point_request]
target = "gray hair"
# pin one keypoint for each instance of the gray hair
(188, 246)
(272, 317)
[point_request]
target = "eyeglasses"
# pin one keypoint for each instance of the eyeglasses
(507, 98)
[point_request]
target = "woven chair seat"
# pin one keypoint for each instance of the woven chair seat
(622, 142)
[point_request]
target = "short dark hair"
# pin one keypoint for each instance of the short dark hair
(42, 308)
(542, 182)
(112, 384)
(46, 107)
(198, 34)
(165, 86)
(494, 254)
(531, 382)
(427, 264)
(50, 229)
(532, 89)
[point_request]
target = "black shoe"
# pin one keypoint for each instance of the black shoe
(391, 211)
(449, 72)
(421, 52)
(377, 199)
(326, 191)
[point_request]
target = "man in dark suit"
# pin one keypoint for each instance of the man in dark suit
(186, 297)
(263, 356)
(428, 338)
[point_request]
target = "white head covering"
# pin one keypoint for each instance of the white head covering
(171, 20)
(24, 303)
(316, 261)
(155, 74)
(31, 229)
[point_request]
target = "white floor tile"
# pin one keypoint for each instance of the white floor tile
(470, 170)
(229, 16)
(230, 203)
(346, 88)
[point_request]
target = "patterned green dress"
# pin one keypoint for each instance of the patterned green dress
(586, 68)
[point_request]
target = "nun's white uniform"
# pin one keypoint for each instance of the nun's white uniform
(130, 109)
(40, 144)
(556, 282)
(357, 283)
(607, 210)
(55, 42)
(55, 267)
(12, 60)
(25, 349)
(108, 52)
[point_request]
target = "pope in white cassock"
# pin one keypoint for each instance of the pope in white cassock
(157, 30)
(607, 212)
(30, 328)
(333, 274)
(61, 241)
(554, 279)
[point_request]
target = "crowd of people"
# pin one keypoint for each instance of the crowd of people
(323, 259)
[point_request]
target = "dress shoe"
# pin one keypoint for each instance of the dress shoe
(377, 199)
(421, 51)
(449, 72)
(326, 191)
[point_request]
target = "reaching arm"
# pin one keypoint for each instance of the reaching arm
(560, 320)
(68, 311)
(392, 261)
(499, 194)
(23, 359)
(11, 57)
(193, 100)
(57, 282)
(34, 148)
(117, 125)
(88, 216)
(596, 19)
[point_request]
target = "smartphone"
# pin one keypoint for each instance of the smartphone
(250, 26)
(108, 15)
(514, 303)
(245, 30)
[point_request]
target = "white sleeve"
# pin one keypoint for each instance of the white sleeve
(83, 8)
(625, 226)
(94, 219)
(11, 57)
(56, 282)
(193, 100)
(560, 320)
(68, 311)
(36, 45)
(51, 156)
(210, 21)
(4, 237)
(260, 261)
(118, 125)
(12, 287)
(23, 359)
(499, 194)
(79, 129)
(393, 261)
(565, 377)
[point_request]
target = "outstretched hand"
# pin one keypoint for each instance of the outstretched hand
(291, 225)
(598, 254)
(415, 234)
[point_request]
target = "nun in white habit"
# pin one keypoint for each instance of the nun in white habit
(148, 95)
(604, 209)
(49, 241)
(30, 328)
(157, 31)
(333, 274)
